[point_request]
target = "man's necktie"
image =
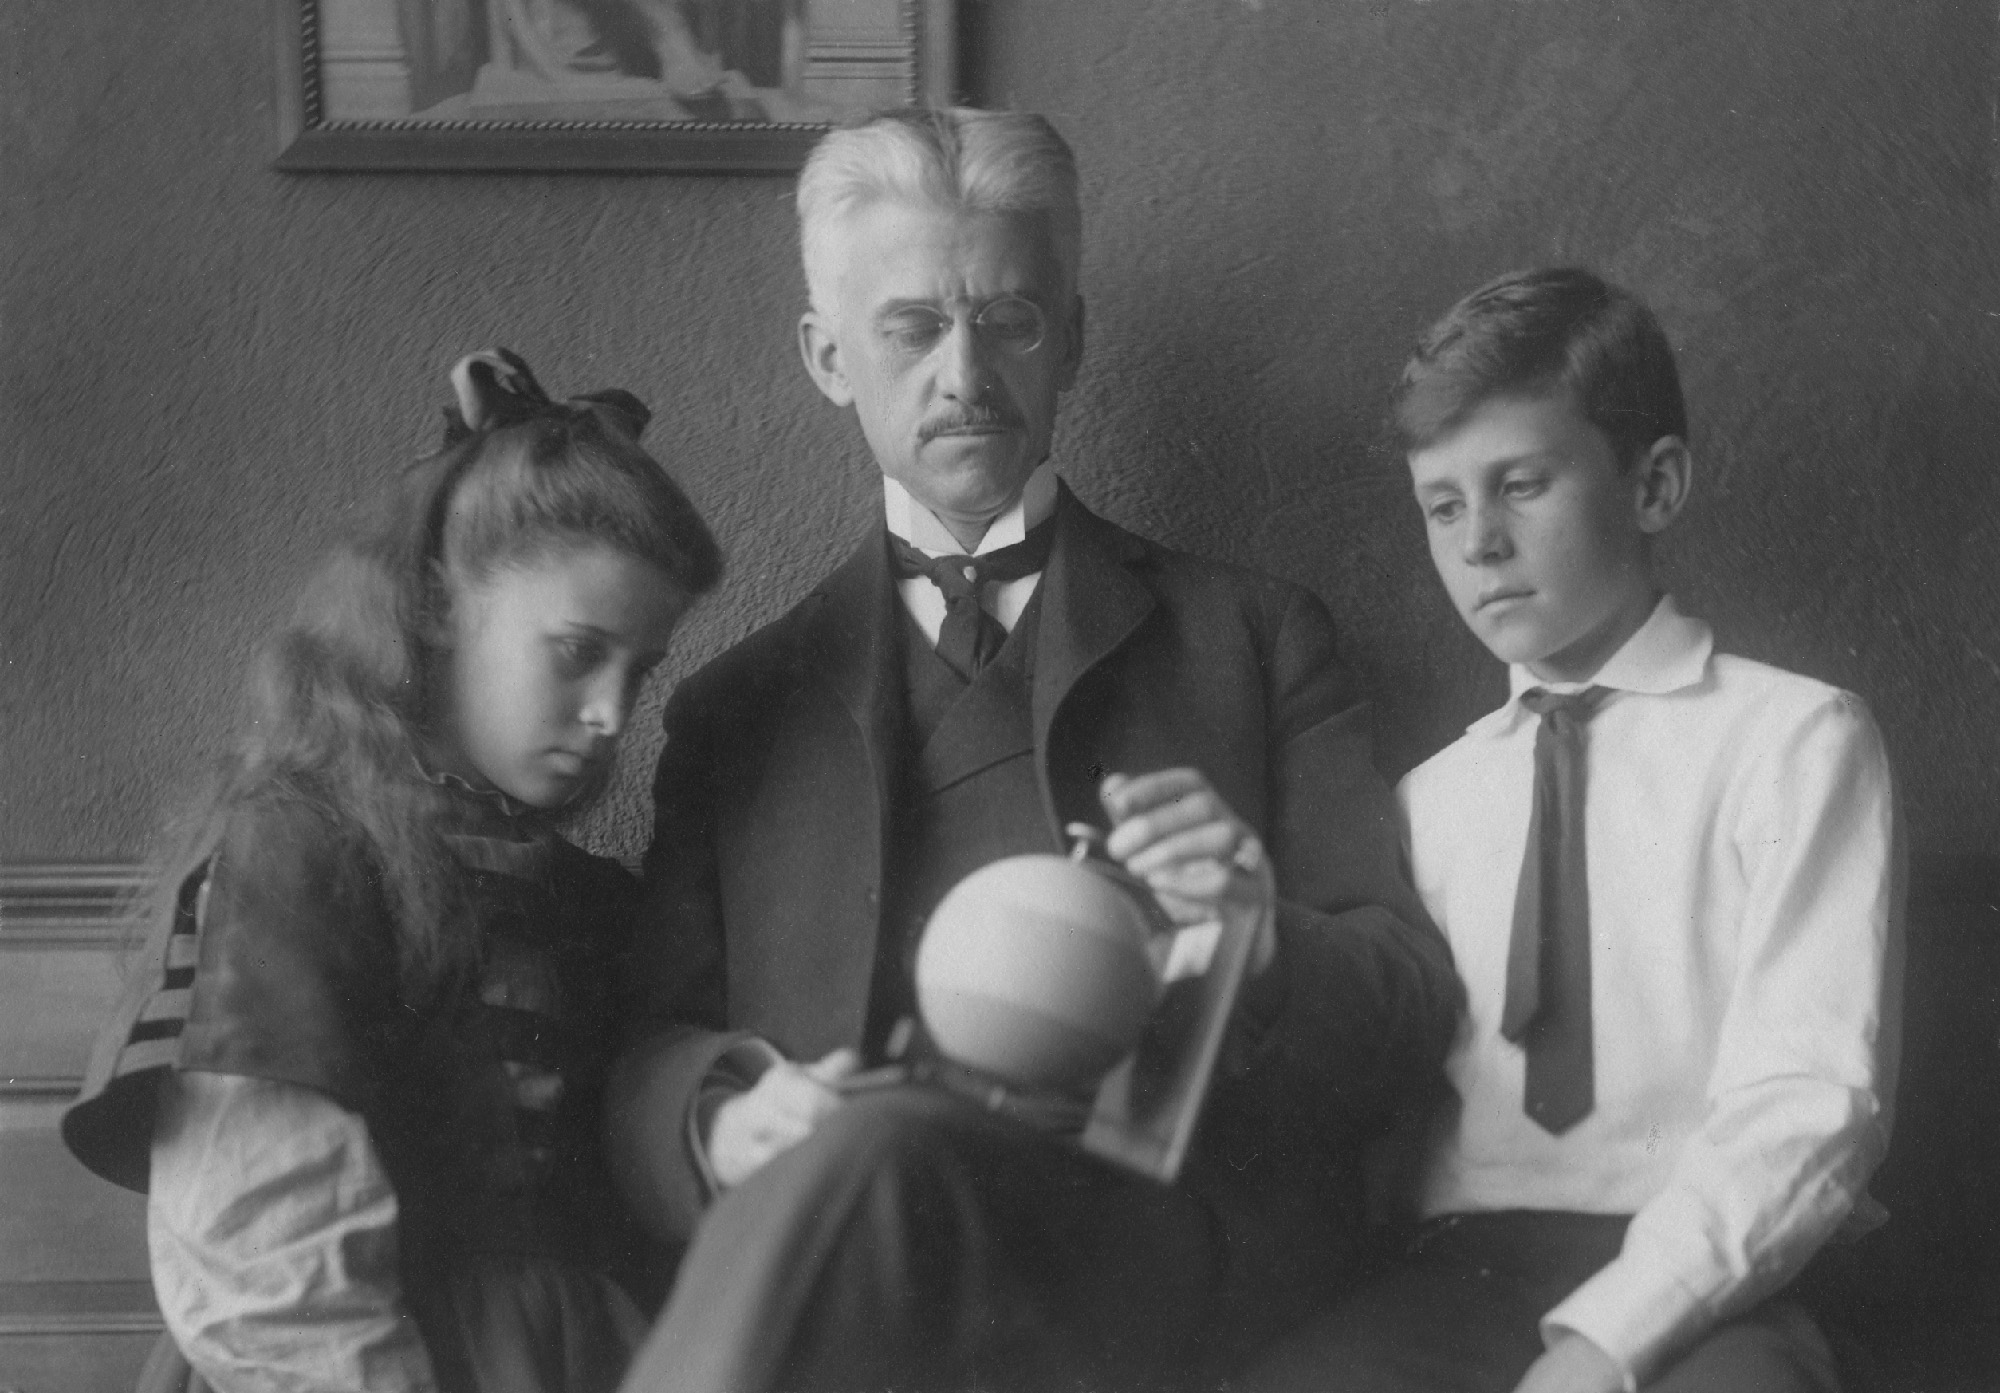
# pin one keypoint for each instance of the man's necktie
(970, 637)
(1547, 1010)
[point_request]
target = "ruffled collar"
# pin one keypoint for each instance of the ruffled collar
(512, 808)
(493, 832)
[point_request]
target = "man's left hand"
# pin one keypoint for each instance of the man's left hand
(1172, 830)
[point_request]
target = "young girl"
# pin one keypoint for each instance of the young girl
(360, 1079)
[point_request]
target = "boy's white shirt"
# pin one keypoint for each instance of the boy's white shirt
(1746, 977)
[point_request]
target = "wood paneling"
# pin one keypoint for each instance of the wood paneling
(72, 1363)
(76, 1304)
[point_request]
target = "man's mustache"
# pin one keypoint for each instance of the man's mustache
(963, 420)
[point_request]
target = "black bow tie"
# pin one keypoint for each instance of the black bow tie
(970, 636)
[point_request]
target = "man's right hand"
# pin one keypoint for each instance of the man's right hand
(778, 1112)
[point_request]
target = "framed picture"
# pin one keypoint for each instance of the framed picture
(711, 85)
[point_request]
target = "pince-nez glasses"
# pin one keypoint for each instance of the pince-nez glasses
(1010, 325)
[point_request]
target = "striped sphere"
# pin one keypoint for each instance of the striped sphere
(1034, 970)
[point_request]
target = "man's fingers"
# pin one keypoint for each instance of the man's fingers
(1186, 911)
(1208, 841)
(1127, 795)
(1200, 860)
(835, 1065)
(1136, 833)
(800, 1096)
(786, 1103)
(1151, 810)
(1206, 879)
(778, 1112)
(776, 1131)
(750, 1129)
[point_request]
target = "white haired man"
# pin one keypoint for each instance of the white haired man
(827, 780)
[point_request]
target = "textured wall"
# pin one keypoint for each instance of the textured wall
(202, 363)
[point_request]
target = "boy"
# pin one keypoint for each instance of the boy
(1668, 877)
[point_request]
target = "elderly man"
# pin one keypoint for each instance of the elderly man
(826, 781)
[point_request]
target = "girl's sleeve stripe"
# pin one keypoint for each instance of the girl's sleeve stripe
(149, 1054)
(170, 1004)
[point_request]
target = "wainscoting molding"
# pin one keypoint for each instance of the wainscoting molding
(77, 1308)
(64, 929)
(69, 903)
(76, 1304)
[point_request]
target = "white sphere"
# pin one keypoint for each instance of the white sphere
(1034, 969)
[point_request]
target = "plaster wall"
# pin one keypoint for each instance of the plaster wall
(203, 363)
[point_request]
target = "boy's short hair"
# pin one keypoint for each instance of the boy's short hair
(1536, 333)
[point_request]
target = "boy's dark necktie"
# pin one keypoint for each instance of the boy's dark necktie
(970, 637)
(1547, 1010)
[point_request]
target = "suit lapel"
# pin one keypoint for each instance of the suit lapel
(1092, 603)
(852, 651)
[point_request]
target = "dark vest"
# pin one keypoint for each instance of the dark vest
(966, 793)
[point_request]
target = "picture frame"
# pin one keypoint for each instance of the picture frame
(711, 86)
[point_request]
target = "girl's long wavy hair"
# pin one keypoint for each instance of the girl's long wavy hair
(345, 697)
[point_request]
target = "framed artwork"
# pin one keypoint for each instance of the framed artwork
(696, 85)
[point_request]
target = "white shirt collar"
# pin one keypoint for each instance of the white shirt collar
(1669, 652)
(919, 526)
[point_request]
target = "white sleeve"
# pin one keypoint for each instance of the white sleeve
(1800, 1095)
(272, 1229)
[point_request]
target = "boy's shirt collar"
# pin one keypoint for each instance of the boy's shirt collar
(1669, 653)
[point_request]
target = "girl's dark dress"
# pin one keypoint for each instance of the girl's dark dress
(481, 1098)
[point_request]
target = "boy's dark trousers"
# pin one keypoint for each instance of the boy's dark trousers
(1459, 1312)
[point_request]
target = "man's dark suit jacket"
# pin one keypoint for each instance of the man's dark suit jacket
(765, 876)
